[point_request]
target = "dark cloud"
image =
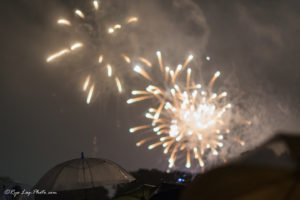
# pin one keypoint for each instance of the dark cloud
(44, 119)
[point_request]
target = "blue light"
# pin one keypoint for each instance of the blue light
(180, 180)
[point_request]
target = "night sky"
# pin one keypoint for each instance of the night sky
(44, 117)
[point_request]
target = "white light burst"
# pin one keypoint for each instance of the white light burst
(185, 116)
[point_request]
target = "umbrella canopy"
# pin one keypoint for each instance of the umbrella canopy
(83, 173)
(270, 172)
(142, 192)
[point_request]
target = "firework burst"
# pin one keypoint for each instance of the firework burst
(95, 35)
(186, 117)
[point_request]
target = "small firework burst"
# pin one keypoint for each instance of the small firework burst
(95, 34)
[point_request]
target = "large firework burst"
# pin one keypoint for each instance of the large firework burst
(185, 116)
(94, 33)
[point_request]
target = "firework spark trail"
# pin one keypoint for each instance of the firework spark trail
(89, 84)
(184, 117)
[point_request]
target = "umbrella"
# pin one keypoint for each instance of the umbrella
(82, 175)
(270, 172)
(142, 192)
